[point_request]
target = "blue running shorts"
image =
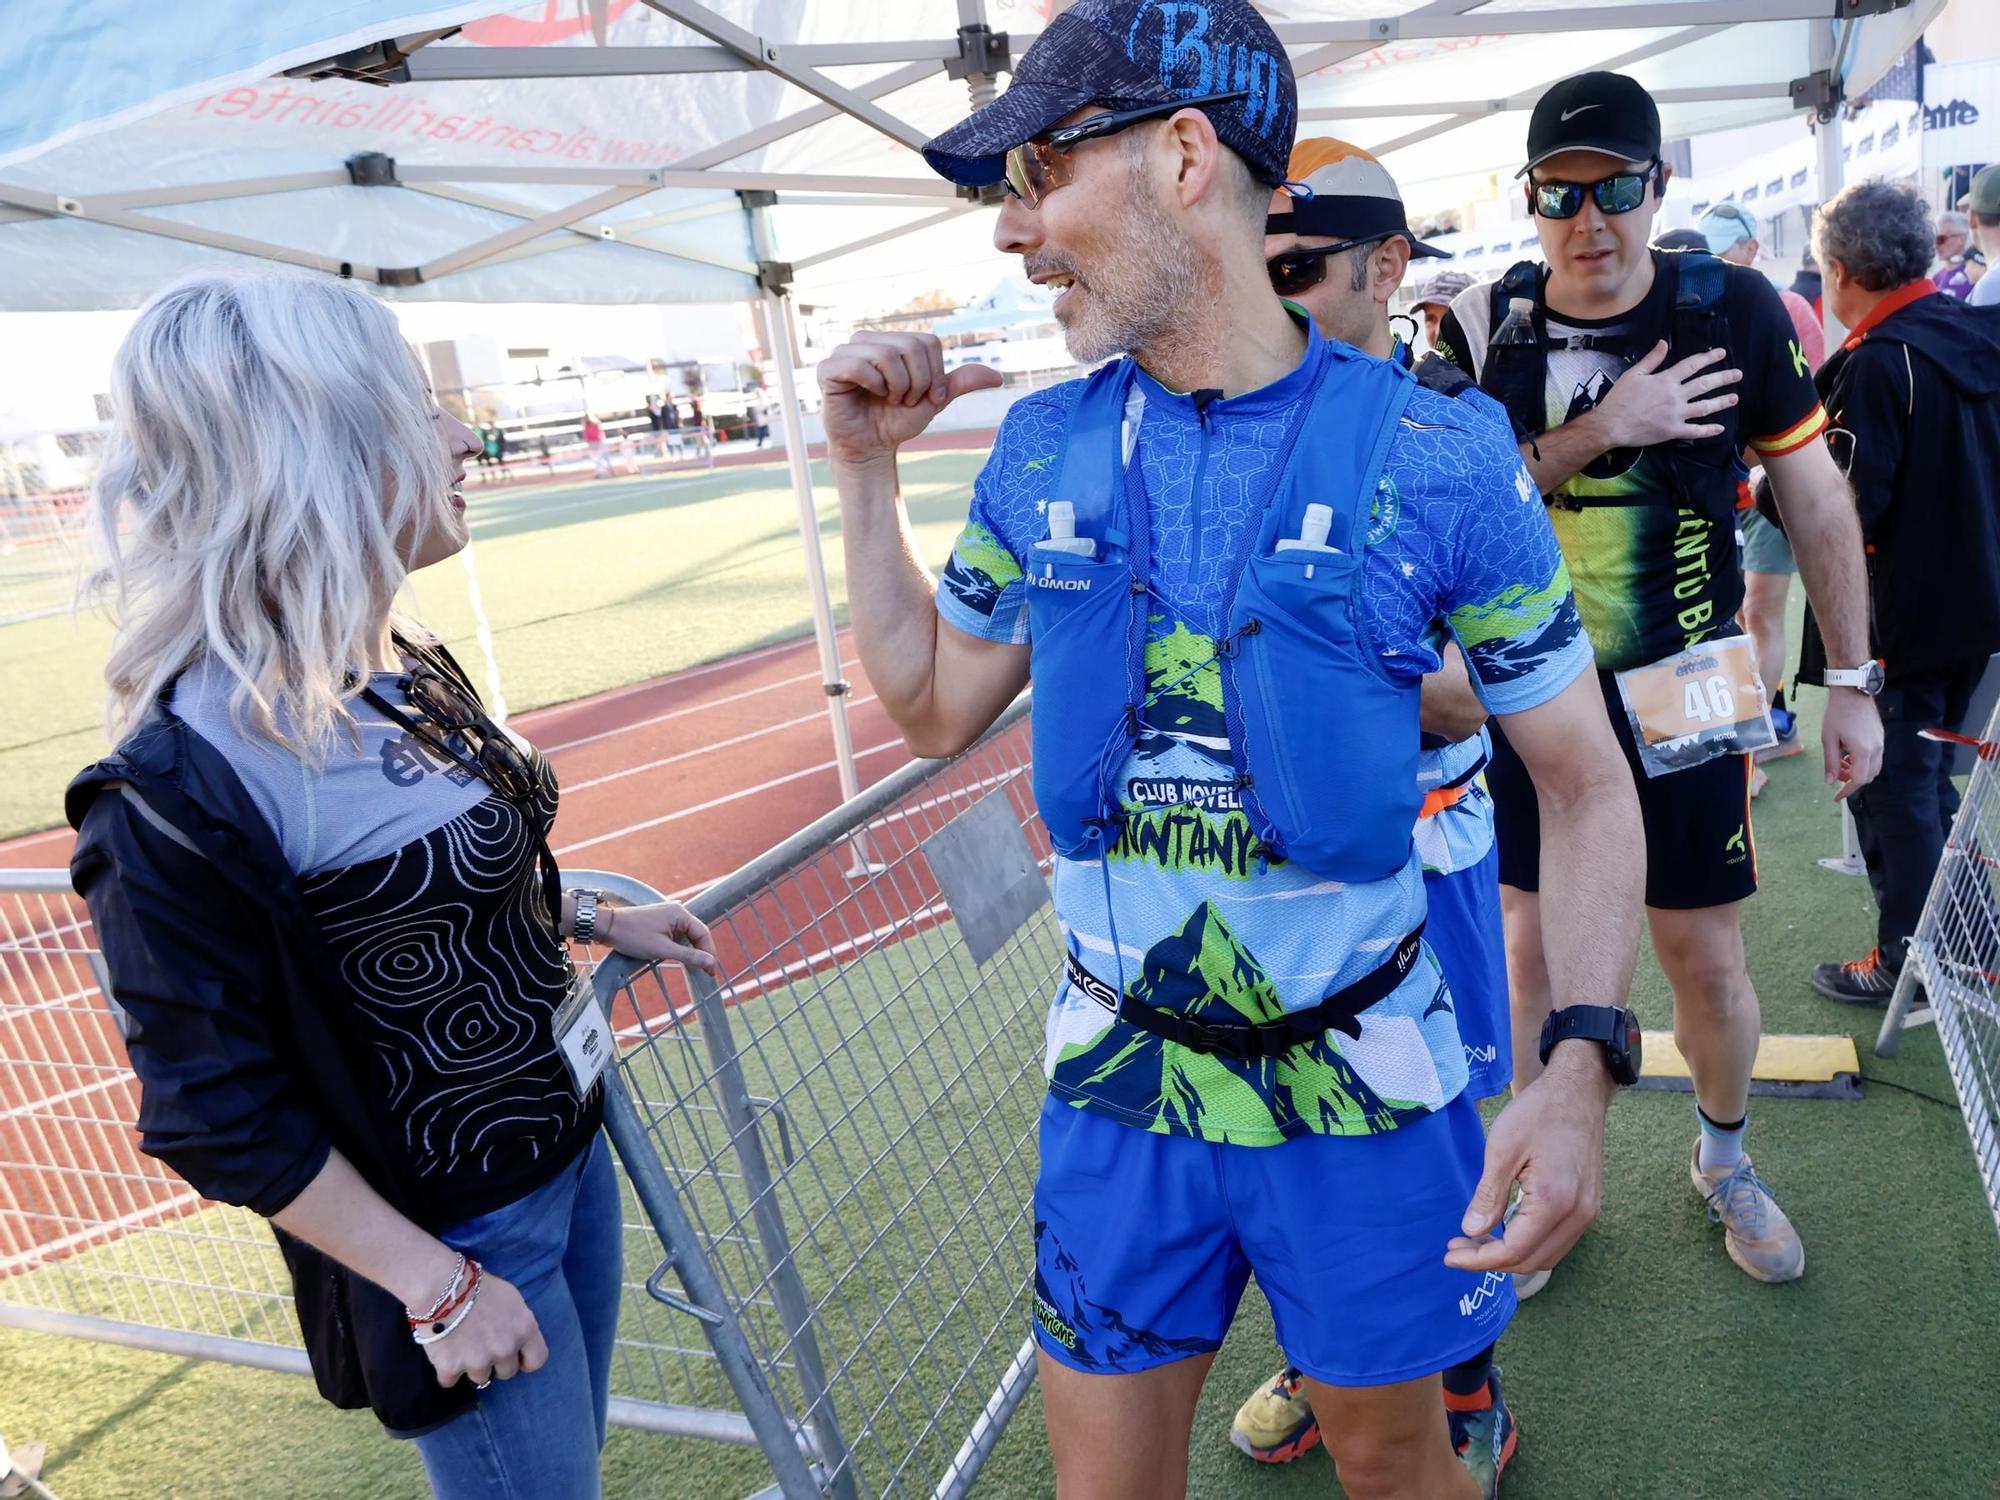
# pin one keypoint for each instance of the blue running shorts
(1464, 932)
(1143, 1244)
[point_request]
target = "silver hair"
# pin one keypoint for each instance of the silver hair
(273, 454)
(1880, 231)
(1952, 219)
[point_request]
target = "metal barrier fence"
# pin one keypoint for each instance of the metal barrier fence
(827, 1159)
(1955, 959)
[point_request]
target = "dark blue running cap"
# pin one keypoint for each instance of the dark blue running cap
(1125, 54)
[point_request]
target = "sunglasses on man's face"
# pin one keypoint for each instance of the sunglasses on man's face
(1301, 270)
(1619, 193)
(1038, 167)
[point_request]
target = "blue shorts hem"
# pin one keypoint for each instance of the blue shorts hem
(1412, 1372)
(1063, 1357)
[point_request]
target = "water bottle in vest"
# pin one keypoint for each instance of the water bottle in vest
(1518, 327)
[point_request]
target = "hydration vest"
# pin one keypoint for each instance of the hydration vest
(1322, 742)
(1700, 473)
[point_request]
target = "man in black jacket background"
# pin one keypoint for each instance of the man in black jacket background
(1914, 401)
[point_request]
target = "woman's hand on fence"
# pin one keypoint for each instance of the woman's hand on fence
(498, 1340)
(665, 931)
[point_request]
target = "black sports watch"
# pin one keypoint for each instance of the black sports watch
(1612, 1027)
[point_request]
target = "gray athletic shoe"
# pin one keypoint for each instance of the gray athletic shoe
(1759, 1237)
(1527, 1283)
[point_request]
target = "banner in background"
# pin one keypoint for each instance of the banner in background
(1961, 113)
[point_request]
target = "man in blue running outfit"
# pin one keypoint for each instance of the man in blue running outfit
(1356, 213)
(1228, 562)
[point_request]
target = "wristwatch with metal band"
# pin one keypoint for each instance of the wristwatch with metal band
(1868, 677)
(1612, 1027)
(583, 925)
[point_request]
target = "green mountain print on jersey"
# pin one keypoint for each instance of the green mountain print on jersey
(1204, 969)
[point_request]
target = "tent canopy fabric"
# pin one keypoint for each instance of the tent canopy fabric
(597, 150)
(1011, 302)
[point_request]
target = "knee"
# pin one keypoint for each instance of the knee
(1384, 1466)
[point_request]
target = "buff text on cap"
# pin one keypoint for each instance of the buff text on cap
(1125, 54)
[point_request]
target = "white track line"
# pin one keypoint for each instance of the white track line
(715, 802)
(803, 643)
(22, 1111)
(817, 716)
(678, 713)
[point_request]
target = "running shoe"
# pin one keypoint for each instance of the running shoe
(1789, 744)
(1485, 1439)
(1759, 779)
(1276, 1424)
(1861, 981)
(1527, 1283)
(1759, 1238)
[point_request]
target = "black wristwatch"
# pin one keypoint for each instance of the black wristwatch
(1612, 1027)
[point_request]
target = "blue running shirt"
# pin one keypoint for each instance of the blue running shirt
(1205, 923)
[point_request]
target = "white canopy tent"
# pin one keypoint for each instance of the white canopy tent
(662, 150)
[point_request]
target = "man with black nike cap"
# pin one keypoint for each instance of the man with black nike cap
(1228, 600)
(1635, 376)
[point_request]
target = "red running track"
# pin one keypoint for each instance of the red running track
(680, 780)
(676, 782)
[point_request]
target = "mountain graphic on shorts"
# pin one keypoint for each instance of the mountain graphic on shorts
(1204, 970)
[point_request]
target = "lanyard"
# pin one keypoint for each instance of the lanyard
(440, 740)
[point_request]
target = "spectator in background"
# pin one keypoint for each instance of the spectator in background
(1914, 399)
(1954, 233)
(1681, 239)
(1982, 204)
(600, 451)
(1730, 231)
(1807, 284)
(670, 428)
(656, 423)
(1434, 297)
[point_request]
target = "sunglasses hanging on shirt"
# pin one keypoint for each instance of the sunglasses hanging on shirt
(450, 716)
(1619, 193)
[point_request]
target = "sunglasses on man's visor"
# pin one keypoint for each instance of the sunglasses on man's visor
(1619, 193)
(1038, 167)
(1301, 270)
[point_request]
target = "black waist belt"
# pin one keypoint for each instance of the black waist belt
(1251, 1041)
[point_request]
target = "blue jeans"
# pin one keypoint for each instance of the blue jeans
(541, 1434)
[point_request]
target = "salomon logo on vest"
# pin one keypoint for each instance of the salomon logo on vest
(1071, 585)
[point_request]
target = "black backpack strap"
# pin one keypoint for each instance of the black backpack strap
(1704, 470)
(1441, 375)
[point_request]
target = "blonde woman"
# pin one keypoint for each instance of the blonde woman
(321, 880)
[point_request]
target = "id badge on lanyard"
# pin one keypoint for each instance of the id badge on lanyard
(583, 1035)
(1690, 708)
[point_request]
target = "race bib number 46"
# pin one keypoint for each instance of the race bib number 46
(1690, 708)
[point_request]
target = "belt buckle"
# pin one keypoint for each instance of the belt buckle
(1222, 1041)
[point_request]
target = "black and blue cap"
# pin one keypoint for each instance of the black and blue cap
(1126, 54)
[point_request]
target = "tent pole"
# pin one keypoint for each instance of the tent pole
(1831, 166)
(774, 310)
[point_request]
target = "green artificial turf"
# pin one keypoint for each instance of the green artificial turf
(587, 586)
(1650, 1367)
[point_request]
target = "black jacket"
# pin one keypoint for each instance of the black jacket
(1915, 411)
(246, 1077)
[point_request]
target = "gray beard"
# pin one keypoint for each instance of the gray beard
(1154, 283)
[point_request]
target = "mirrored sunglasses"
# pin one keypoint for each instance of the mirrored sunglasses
(1619, 193)
(1038, 167)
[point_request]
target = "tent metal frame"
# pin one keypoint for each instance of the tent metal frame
(975, 55)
